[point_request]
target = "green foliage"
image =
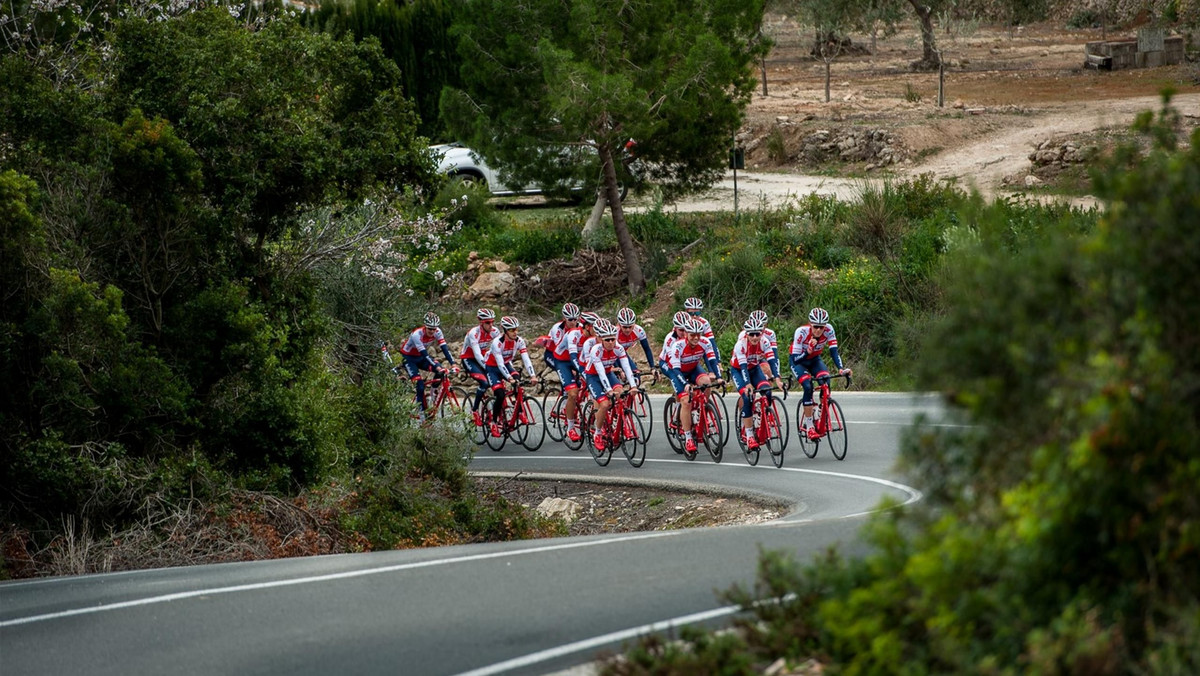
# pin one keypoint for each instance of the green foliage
(743, 279)
(776, 149)
(1084, 18)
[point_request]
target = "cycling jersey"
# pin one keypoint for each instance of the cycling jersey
(668, 342)
(599, 362)
(560, 341)
(634, 335)
(769, 335)
(585, 350)
(500, 356)
(418, 343)
(749, 353)
(686, 357)
(476, 344)
(807, 346)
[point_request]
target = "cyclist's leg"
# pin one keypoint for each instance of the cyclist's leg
(496, 382)
(477, 373)
(744, 390)
(602, 404)
(413, 367)
(570, 387)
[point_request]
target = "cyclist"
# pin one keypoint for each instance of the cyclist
(598, 367)
(760, 317)
(810, 341)
(587, 336)
(474, 351)
(630, 334)
(684, 371)
(559, 356)
(746, 366)
(693, 306)
(500, 366)
(678, 332)
(415, 352)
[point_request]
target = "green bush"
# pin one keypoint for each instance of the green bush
(535, 243)
(469, 203)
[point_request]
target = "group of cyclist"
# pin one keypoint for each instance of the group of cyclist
(587, 350)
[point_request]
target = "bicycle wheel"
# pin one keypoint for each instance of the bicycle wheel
(837, 429)
(589, 422)
(535, 425)
(451, 411)
(671, 424)
(809, 446)
(480, 418)
(713, 432)
(552, 403)
(493, 442)
(518, 430)
(635, 448)
(781, 419)
(775, 442)
(723, 409)
(641, 408)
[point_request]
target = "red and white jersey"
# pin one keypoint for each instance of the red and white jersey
(750, 352)
(419, 342)
(633, 336)
(687, 358)
(502, 351)
(768, 334)
(707, 331)
(560, 341)
(668, 343)
(806, 345)
(600, 362)
(477, 344)
(586, 349)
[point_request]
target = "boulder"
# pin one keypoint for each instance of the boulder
(493, 285)
(565, 509)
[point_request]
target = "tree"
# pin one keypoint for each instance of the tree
(831, 20)
(931, 58)
(552, 91)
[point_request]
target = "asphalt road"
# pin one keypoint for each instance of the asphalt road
(529, 607)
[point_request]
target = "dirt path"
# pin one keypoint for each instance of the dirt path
(980, 163)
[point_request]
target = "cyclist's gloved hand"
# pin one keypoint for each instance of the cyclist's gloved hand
(844, 372)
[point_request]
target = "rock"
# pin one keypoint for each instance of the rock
(562, 508)
(1032, 181)
(782, 119)
(958, 103)
(501, 266)
(492, 285)
(473, 255)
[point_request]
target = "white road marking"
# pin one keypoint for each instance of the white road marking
(166, 598)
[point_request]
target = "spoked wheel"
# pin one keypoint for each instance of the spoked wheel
(552, 403)
(723, 409)
(483, 406)
(775, 438)
(535, 425)
(518, 431)
(635, 448)
(837, 430)
(781, 419)
(751, 454)
(671, 423)
(589, 422)
(454, 411)
(640, 405)
(493, 442)
(583, 426)
(809, 446)
(714, 433)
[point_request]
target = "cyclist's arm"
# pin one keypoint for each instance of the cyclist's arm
(528, 364)
(837, 358)
(714, 367)
(625, 366)
(649, 353)
(476, 350)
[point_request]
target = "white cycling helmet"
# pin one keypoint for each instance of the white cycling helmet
(818, 317)
(485, 315)
(507, 323)
(589, 318)
(626, 317)
(693, 303)
(570, 311)
(752, 324)
(432, 320)
(759, 316)
(681, 319)
(605, 329)
(694, 326)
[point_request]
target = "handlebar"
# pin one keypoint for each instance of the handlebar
(825, 379)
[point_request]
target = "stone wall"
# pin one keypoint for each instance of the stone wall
(876, 147)
(1120, 54)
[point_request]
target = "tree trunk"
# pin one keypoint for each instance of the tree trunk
(633, 269)
(593, 221)
(925, 13)
(763, 64)
(827, 75)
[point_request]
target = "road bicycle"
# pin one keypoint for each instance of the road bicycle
(622, 429)
(769, 427)
(522, 419)
(447, 400)
(827, 421)
(707, 422)
(556, 420)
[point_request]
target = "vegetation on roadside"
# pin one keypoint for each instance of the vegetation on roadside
(1060, 530)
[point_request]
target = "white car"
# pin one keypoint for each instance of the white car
(458, 161)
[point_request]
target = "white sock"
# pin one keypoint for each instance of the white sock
(570, 425)
(808, 421)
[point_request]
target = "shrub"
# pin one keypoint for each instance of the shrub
(776, 149)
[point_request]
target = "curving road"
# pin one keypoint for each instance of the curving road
(527, 607)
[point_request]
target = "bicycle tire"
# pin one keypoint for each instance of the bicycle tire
(751, 454)
(691, 455)
(635, 448)
(671, 424)
(518, 431)
(483, 403)
(723, 409)
(781, 415)
(809, 446)
(641, 408)
(536, 434)
(775, 443)
(556, 425)
(602, 458)
(714, 439)
(838, 440)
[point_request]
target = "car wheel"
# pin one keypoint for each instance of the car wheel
(469, 181)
